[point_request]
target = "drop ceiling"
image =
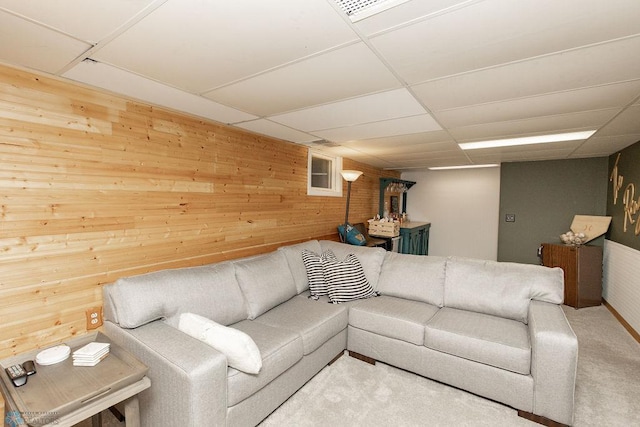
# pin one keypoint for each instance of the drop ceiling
(396, 89)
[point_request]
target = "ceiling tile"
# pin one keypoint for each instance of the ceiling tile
(407, 12)
(401, 126)
(402, 142)
(593, 98)
(277, 130)
(339, 74)
(523, 152)
(628, 122)
(221, 42)
(134, 86)
(31, 45)
(583, 120)
(439, 151)
(502, 31)
(444, 159)
(359, 156)
(87, 20)
(365, 109)
(593, 66)
(605, 145)
(521, 156)
(408, 152)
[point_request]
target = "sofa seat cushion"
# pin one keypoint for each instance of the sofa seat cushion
(495, 341)
(280, 349)
(325, 299)
(315, 321)
(393, 317)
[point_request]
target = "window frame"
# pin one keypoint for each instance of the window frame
(336, 178)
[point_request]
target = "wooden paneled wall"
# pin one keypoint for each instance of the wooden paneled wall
(95, 186)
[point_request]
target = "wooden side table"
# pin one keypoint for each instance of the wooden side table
(63, 394)
(582, 266)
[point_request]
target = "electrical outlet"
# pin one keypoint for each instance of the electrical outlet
(94, 317)
(510, 218)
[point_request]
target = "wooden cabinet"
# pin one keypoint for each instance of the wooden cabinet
(582, 267)
(415, 238)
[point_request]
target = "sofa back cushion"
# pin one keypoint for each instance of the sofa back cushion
(500, 288)
(265, 281)
(211, 291)
(413, 277)
(293, 253)
(370, 258)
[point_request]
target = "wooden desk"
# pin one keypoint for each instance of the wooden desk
(63, 394)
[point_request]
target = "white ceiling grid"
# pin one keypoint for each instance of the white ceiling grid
(397, 88)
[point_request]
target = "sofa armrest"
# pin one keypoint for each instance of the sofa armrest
(554, 362)
(188, 377)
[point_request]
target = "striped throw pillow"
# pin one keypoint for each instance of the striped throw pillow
(313, 263)
(346, 280)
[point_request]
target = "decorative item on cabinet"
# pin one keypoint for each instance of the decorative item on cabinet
(582, 266)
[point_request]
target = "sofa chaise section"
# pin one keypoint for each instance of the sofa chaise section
(192, 382)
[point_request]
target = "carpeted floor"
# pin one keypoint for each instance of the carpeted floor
(354, 393)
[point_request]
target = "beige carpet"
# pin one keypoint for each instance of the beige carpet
(354, 393)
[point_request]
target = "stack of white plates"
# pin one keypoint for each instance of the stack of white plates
(53, 355)
(91, 354)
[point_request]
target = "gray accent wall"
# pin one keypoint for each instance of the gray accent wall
(544, 196)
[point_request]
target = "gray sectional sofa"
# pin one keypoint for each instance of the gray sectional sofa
(494, 329)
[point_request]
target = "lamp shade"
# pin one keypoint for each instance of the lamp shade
(350, 175)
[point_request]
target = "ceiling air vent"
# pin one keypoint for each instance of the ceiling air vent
(325, 143)
(360, 9)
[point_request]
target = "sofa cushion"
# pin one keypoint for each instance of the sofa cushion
(483, 338)
(414, 277)
(211, 291)
(315, 321)
(315, 271)
(293, 253)
(241, 351)
(397, 318)
(345, 279)
(370, 258)
(280, 349)
(500, 288)
(266, 281)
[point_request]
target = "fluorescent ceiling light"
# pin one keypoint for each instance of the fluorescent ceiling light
(441, 168)
(539, 139)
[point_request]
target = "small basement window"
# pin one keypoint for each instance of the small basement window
(324, 175)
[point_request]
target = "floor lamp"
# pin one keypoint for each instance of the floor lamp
(349, 176)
